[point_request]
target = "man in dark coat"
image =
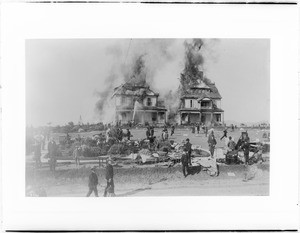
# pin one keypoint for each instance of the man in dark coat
(152, 131)
(93, 182)
(109, 176)
(148, 133)
(198, 128)
(172, 129)
(188, 150)
(212, 142)
(128, 134)
(185, 164)
(245, 146)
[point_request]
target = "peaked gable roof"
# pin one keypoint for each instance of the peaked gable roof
(201, 90)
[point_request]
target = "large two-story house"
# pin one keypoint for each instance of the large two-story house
(201, 103)
(136, 102)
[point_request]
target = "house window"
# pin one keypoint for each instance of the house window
(123, 100)
(149, 102)
(205, 104)
(191, 103)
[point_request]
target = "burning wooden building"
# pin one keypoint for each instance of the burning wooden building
(136, 102)
(201, 103)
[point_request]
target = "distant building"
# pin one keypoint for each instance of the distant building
(201, 103)
(137, 102)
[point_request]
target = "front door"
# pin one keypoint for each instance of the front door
(203, 118)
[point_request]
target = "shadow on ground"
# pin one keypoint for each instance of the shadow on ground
(194, 170)
(133, 192)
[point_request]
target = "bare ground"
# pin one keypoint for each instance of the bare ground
(157, 181)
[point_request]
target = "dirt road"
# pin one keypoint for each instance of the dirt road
(154, 181)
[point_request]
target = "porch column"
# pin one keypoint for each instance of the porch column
(222, 116)
(199, 117)
(143, 117)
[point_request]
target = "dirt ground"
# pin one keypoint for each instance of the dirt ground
(155, 180)
(183, 133)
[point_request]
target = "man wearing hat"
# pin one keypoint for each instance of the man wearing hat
(93, 182)
(188, 150)
(109, 176)
(185, 163)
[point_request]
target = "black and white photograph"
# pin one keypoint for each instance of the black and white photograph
(147, 117)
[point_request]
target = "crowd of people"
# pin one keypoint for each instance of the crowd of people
(115, 134)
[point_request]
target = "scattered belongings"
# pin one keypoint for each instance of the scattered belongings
(203, 158)
(230, 174)
(251, 172)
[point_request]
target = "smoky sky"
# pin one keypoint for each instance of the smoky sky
(67, 78)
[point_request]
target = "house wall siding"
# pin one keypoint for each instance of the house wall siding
(153, 101)
(187, 103)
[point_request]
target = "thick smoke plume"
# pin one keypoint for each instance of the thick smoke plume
(168, 66)
(194, 65)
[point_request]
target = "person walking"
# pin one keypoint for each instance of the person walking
(188, 150)
(212, 142)
(93, 182)
(109, 176)
(224, 134)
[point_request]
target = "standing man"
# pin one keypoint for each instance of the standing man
(185, 163)
(188, 150)
(172, 129)
(152, 131)
(212, 142)
(198, 128)
(52, 154)
(109, 176)
(246, 146)
(231, 144)
(93, 182)
(206, 130)
(224, 134)
(165, 134)
(148, 133)
(76, 155)
(128, 134)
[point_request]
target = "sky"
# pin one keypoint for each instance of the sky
(66, 77)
